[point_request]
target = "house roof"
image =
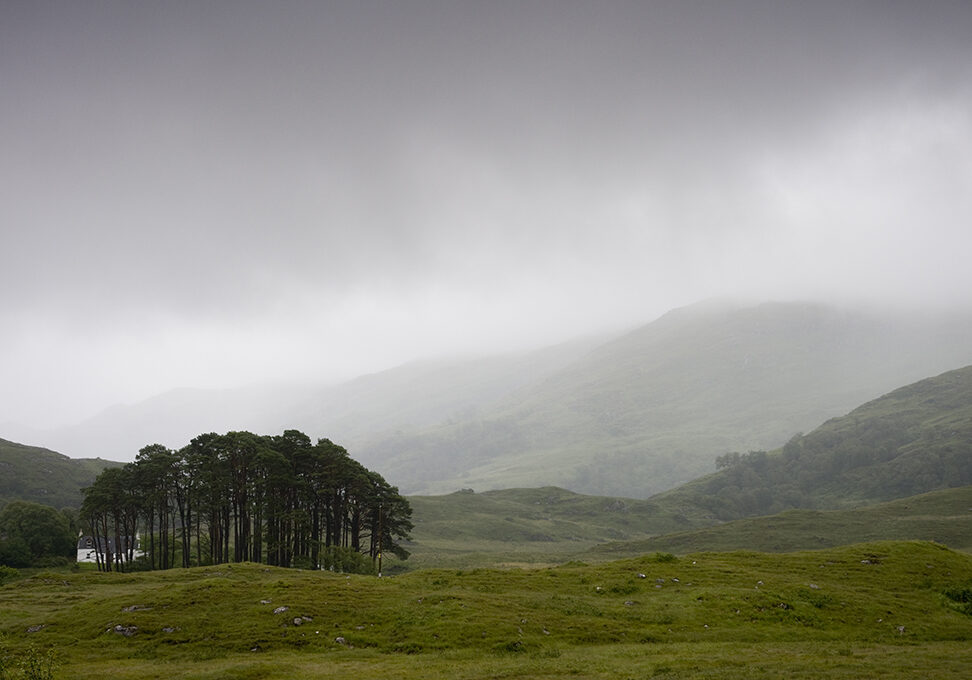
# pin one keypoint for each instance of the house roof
(105, 545)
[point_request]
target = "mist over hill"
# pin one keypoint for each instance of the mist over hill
(654, 408)
(416, 395)
(625, 415)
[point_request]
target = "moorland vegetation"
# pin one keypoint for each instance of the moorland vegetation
(890, 610)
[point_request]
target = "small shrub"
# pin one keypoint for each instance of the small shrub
(37, 666)
(7, 574)
(624, 589)
(512, 647)
(5, 661)
(960, 599)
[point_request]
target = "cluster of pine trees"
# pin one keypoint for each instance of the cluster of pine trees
(279, 500)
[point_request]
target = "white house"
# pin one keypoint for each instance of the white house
(89, 548)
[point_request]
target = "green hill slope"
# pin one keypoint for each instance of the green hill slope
(526, 526)
(915, 439)
(941, 516)
(653, 409)
(30, 473)
(872, 610)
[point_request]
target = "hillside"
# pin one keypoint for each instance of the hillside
(652, 409)
(890, 610)
(551, 525)
(915, 439)
(526, 526)
(941, 516)
(34, 474)
(630, 416)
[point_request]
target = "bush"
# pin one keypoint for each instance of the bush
(15, 553)
(37, 666)
(345, 561)
(7, 574)
(34, 665)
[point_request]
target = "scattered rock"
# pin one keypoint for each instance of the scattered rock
(265, 601)
(340, 640)
(127, 631)
(814, 586)
(280, 610)
(901, 630)
(629, 603)
(136, 608)
(642, 576)
(298, 621)
(37, 628)
(169, 629)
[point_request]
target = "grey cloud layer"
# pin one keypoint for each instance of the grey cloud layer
(436, 175)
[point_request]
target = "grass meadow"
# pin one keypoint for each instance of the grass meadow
(882, 610)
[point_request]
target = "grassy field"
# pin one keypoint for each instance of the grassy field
(889, 610)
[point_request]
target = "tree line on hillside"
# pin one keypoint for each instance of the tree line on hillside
(877, 460)
(278, 500)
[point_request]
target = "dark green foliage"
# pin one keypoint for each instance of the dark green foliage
(7, 574)
(240, 497)
(30, 533)
(37, 665)
(960, 598)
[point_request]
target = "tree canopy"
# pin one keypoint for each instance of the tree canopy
(31, 533)
(234, 497)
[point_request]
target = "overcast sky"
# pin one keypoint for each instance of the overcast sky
(212, 194)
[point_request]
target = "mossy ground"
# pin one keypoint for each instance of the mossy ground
(870, 610)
